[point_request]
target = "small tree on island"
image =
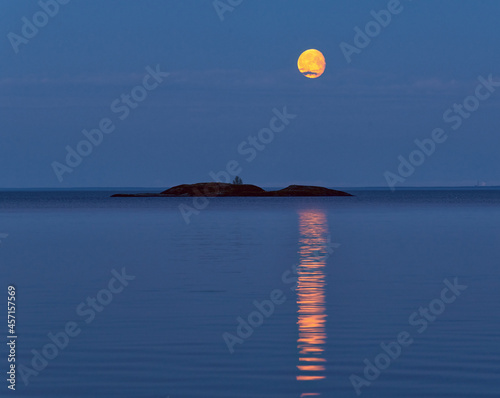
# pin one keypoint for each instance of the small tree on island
(237, 181)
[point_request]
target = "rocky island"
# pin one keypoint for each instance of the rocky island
(219, 189)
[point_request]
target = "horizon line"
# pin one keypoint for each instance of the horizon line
(264, 186)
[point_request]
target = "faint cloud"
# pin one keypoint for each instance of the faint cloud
(3, 236)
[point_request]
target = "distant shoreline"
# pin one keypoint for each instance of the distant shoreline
(150, 189)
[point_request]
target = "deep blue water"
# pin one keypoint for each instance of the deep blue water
(346, 275)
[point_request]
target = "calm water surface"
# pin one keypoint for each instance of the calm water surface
(255, 297)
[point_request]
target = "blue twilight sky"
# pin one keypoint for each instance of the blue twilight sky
(228, 71)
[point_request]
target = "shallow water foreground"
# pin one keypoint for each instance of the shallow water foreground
(322, 296)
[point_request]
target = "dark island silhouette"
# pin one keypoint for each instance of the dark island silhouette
(220, 189)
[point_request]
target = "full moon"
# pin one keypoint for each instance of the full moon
(311, 63)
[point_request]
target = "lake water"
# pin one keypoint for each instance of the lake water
(176, 305)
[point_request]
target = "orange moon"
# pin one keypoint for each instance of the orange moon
(311, 63)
